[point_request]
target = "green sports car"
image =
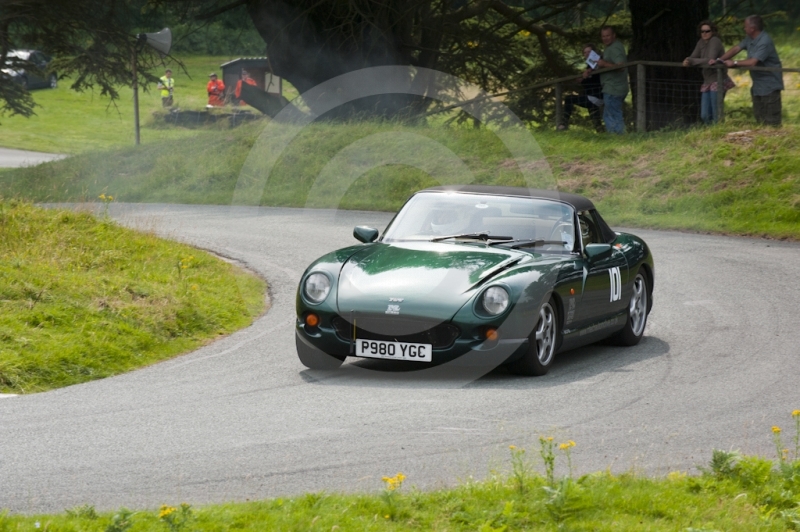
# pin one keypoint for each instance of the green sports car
(478, 275)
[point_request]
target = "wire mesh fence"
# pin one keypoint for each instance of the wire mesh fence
(668, 95)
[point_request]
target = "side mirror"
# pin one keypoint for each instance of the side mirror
(365, 234)
(598, 251)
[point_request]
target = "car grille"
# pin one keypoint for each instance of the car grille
(393, 329)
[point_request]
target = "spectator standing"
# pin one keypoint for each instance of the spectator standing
(592, 97)
(767, 86)
(166, 84)
(614, 83)
(244, 78)
(708, 48)
(216, 91)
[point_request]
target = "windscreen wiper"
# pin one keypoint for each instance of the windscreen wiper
(484, 236)
(517, 244)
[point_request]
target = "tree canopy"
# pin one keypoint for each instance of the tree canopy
(495, 44)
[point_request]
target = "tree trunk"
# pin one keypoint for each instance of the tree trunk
(666, 30)
(309, 42)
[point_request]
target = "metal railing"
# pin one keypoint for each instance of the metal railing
(639, 84)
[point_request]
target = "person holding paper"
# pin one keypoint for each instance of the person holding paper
(592, 97)
(615, 83)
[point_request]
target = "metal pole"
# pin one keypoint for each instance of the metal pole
(135, 97)
(559, 105)
(720, 95)
(641, 101)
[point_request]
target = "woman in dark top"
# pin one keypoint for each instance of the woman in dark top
(591, 99)
(708, 47)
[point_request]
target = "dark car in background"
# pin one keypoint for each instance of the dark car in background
(30, 69)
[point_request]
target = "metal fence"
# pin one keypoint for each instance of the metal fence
(660, 98)
(665, 95)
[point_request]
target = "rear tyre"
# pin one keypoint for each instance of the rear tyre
(541, 344)
(637, 314)
(313, 358)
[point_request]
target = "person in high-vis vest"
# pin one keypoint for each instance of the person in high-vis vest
(165, 85)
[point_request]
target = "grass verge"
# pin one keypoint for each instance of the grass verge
(82, 298)
(732, 178)
(734, 493)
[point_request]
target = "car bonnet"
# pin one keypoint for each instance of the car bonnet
(425, 279)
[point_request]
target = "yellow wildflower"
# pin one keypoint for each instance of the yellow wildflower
(393, 483)
(110, 198)
(776, 430)
(796, 413)
(472, 44)
(102, 196)
(549, 33)
(512, 447)
(525, 33)
(549, 438)
(568, 445)
(194, 287)
(166, 511)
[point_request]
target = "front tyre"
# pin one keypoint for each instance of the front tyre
(541, 345)
(637, 314)
(313, 358)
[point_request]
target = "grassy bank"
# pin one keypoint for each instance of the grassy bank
(706, 179)
(83, 299)
(734, 493)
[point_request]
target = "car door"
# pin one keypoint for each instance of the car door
(604, 276)
(35, 77)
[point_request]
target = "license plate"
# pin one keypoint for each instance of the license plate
(394, 350)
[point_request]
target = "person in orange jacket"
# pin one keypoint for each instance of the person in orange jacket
(246, 79)
(216, 91)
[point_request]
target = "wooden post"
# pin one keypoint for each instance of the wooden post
(641, 99)
(559, 105)
(135, 96)
(720, 95)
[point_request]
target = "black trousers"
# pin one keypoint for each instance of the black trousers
(582, 101)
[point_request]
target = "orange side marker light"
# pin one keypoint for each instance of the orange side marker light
(312, 320)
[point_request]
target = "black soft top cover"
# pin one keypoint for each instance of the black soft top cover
(578, 202)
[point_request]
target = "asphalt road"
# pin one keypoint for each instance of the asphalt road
(11, 158)
(242, 419)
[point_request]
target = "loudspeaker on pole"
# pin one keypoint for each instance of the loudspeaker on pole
(161, 41)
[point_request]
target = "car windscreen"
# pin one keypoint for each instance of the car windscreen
(17, 54)
(430, 215)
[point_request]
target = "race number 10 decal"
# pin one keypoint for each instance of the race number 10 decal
(616, 284)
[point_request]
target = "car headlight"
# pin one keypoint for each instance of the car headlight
(495, 300)
(317, 287)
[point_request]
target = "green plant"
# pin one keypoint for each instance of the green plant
(176, 519)
(121, 521)
(389, 494)
(546, 450)
(723, 463)
(85, 511)
(796, 416)
(520, 470)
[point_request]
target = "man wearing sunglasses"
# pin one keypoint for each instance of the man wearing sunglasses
(767, 86)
